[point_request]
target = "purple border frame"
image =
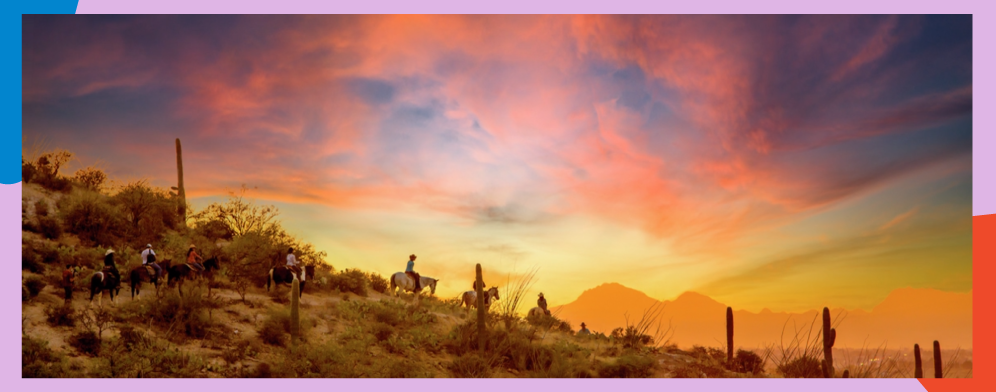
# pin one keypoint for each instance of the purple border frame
(984, 181)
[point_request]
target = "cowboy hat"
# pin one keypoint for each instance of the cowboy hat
(582, 324)
(412, 256)
(148, 245)
(541, 294)
(193, 246)
(109, 251)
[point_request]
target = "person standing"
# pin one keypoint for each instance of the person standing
(68, 280)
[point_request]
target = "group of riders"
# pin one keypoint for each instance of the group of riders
(194, 261)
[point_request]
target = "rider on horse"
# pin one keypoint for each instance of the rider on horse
(293, 264)
(410, 271)
(541, 302)
(149, 259)
(109, 264)
(193, 259)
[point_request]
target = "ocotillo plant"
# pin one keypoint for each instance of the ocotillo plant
(179, 186)
(918, 370)
(479, 286)
(829, 335)
(938, 369)
(295, 311)
(729, 336)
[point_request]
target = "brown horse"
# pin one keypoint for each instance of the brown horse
(282, 274)
(145, 273)
(180, 272)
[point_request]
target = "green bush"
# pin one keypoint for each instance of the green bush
(61, 316)
(90, 216)
(86, 342)
(470, 366)
(802, 367)
(41, 208)
(352, 281)
(49, 227)
(628, 366)
(31, 260)
(275, 329)
(35, 285)
(40, 361)
(378, 283)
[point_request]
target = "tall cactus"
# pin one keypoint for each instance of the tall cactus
(829, 336)
(918, 363)
(179, 186)
(729, 335)
(479, 286)
(938, 369)
(295, 310)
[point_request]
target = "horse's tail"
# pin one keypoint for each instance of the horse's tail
(394, 285)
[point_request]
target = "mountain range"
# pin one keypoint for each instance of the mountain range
(905, 317)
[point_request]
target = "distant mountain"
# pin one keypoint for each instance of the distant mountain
(905, 317)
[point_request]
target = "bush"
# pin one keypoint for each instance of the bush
(27, 171)
(628, 366)
(470, 366)
(90, 216)
(382, 331)
(132, 338)
(352, 281)
(40, 361)
(275, 328)
(802, 367)
(748, 362)
(41, 208)
(86, 342)
(31, 261)
(61, 316)
(35, 285)
(49, 227)
(378, 283)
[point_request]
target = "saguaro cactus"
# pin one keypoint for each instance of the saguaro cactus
(295, 310)
(846, 374)
(179, 186)
(829, 336)
(938, 369)
(479, 286)
(918, 363)
(729, 335)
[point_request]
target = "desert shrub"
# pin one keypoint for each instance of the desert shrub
(403, 368)
(748, 362)
(276, 328)
(61, 316)
(628, 366)
(49, 227)
(470, 366)
(802, 367)
(630, 337)
(31, 260)
(378, 283)
(91, 178)
(132, 338)
(240, 350)
(382, 331)
(35, 285)
(27, 171)
(352, 281)
(86, 342)
(40, 361)
(41, 208)
(54, 183)
(262, 371)
(187, 314)
(90, 216)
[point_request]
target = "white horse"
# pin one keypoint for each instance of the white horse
(470, 297)
(537, 312)
(406, 283)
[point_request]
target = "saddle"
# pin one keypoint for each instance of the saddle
(150, 270)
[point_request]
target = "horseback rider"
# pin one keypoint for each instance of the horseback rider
(410, 271)
(194, 259)
(584, 330)
(109, 264)
(293, 264)
(541, 302)
(149, 259)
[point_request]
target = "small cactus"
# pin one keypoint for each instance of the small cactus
(729, 335)
(938, 369)
(918, 370)
(846, 374)
(829, 336)
(295, 312)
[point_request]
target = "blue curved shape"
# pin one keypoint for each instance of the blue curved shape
(10, 78)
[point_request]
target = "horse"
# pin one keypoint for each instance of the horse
(537, 312)
(145, 273)
(179, 272)
(282, 274)
(104, 280)
(470, 298)
(406, 283)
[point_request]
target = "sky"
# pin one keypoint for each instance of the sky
(780, 162)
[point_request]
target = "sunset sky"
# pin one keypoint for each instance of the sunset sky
(776, 162)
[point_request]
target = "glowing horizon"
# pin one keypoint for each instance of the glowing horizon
(776, 162)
